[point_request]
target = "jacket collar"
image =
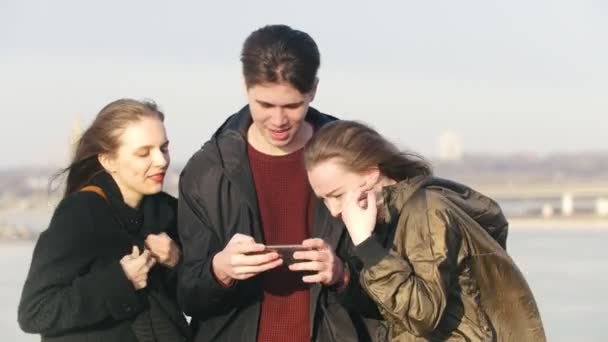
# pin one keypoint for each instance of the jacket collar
(230, 139)
(153, 215)
(230, 144)
(395, 196)
(239, 122)
(485, 211)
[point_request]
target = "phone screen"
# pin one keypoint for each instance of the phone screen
(286, 252)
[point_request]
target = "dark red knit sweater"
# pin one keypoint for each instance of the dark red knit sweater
(283, 198)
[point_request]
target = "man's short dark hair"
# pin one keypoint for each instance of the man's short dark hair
(278, 53)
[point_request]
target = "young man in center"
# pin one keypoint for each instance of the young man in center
(246, 189)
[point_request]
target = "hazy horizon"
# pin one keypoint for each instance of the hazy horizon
(514, 77)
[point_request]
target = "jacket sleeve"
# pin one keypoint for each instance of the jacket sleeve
(353, 296)
(67, 287)
(411, 290)
(199, 293)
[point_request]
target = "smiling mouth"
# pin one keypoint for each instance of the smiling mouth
(280, 134)
(159, 177)
(280, 130)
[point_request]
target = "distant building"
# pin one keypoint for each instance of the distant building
(601, 207)
(449, 146)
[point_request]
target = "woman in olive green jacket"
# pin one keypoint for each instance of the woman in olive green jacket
(434, 251)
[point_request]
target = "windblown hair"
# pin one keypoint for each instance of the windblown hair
(358, 147)
(103, 137)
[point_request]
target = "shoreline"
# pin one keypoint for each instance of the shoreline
(572, 224)
(522, 224)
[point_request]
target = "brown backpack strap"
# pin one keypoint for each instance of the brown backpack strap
(95, 189)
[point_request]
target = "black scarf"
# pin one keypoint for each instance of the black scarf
(162, 319)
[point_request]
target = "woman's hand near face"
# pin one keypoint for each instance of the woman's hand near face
(358, 216)
(136, 267)
(163, 249)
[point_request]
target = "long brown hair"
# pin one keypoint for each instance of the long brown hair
(103, 137)
(359, 147)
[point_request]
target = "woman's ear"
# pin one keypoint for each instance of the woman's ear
(372, 176)
(106, 162)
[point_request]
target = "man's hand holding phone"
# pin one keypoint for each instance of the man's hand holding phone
(320, 259)
(243, 258)
(286, 252)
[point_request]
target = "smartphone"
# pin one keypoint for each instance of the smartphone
(286, 252)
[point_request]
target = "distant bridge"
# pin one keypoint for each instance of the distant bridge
(566, 193)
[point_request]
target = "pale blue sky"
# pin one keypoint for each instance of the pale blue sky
(508, 76)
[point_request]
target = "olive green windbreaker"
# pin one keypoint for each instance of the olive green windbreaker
(438, 269)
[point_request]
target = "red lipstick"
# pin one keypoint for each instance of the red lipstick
(158, 178)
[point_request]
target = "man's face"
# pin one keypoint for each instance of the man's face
(278, 111)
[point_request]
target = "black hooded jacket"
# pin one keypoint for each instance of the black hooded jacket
(76, 289)
(217, 200)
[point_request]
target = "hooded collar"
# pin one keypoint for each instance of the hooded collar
(230, 143)
(152, 216)
(395, 196)
(485, 211)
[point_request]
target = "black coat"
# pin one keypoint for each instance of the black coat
(217, 200)
(76, 289)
